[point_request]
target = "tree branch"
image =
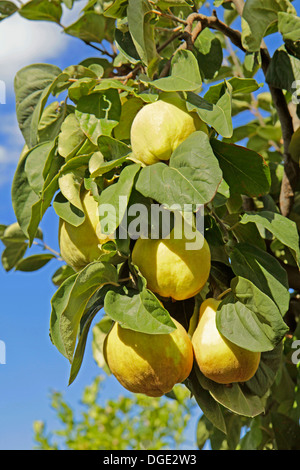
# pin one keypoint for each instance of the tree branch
(291, 168)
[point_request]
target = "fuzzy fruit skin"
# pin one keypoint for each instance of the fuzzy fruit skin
(170, 269)
(219, 359)
(160, 127)
(81, 245)
(149, 364)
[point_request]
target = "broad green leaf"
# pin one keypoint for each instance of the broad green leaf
(80, 348)
(70, 185)
(12, 254)
(192, 176)
(235, 398)
(65, 210)
(100, 331)
(237, 85)
(113, 200)
(286, 432)
(264, 271)
(32, 87)
(216, 115)
(71, 137)
(117, 9)
(126, 45)
(284, 70)
(208, 405)
(7, 9)
(138, 311)
(249, 318)
(81, 87)
(244, 170)
(257, 17)
(38, 163)
(129, 110)
(70, 301)
(41, 10)
(90, 27)
(51, 121)
(284, 229)
(209, 53)
(34, 262)
(185, 74)
(23, 196)
(98, 113)
(289, 26)
(266, 373)
(61, 274)
(141, 30)
(112, 154)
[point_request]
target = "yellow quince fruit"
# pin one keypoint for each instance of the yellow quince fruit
(159, 127)
(218, 358)
(149, 363)
(170, 268)
(81, 245)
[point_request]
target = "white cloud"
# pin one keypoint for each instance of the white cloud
(25, 42)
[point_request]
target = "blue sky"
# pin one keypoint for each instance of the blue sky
(33, 365)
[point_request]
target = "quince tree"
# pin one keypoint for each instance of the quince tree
(183, 115)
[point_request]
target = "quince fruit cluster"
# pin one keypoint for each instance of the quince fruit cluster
(153, 363)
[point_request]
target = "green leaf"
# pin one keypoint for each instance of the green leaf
(216, 115)
(100, 331)
(238, 86)
(267, 371)
(98, 113)
(235, 398)
(284, 70)
(114, 199)
(33, 85)
(51, 121)
(34, 262)
(42, 10)
(185, 74)
(286, 432)
(284, 229)
(117, 9)
(7, 9)
(257, 17)
(61, 274)
(65, 210)
(90, 27)
(208, 405)
(264, 271)
(12, 254)
(249, 318)
(141, 30)
(71, 137)
(37, 164)
(140, 311)
(126, 45)
(192, 176)
(112, 154)
(209, 53)
(244, 170)
(70, 301)
(80, 348)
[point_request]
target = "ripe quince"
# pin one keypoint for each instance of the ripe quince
(81, 245)
(149, 363)
(218, 358)
(159, 127)
(172, 270)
